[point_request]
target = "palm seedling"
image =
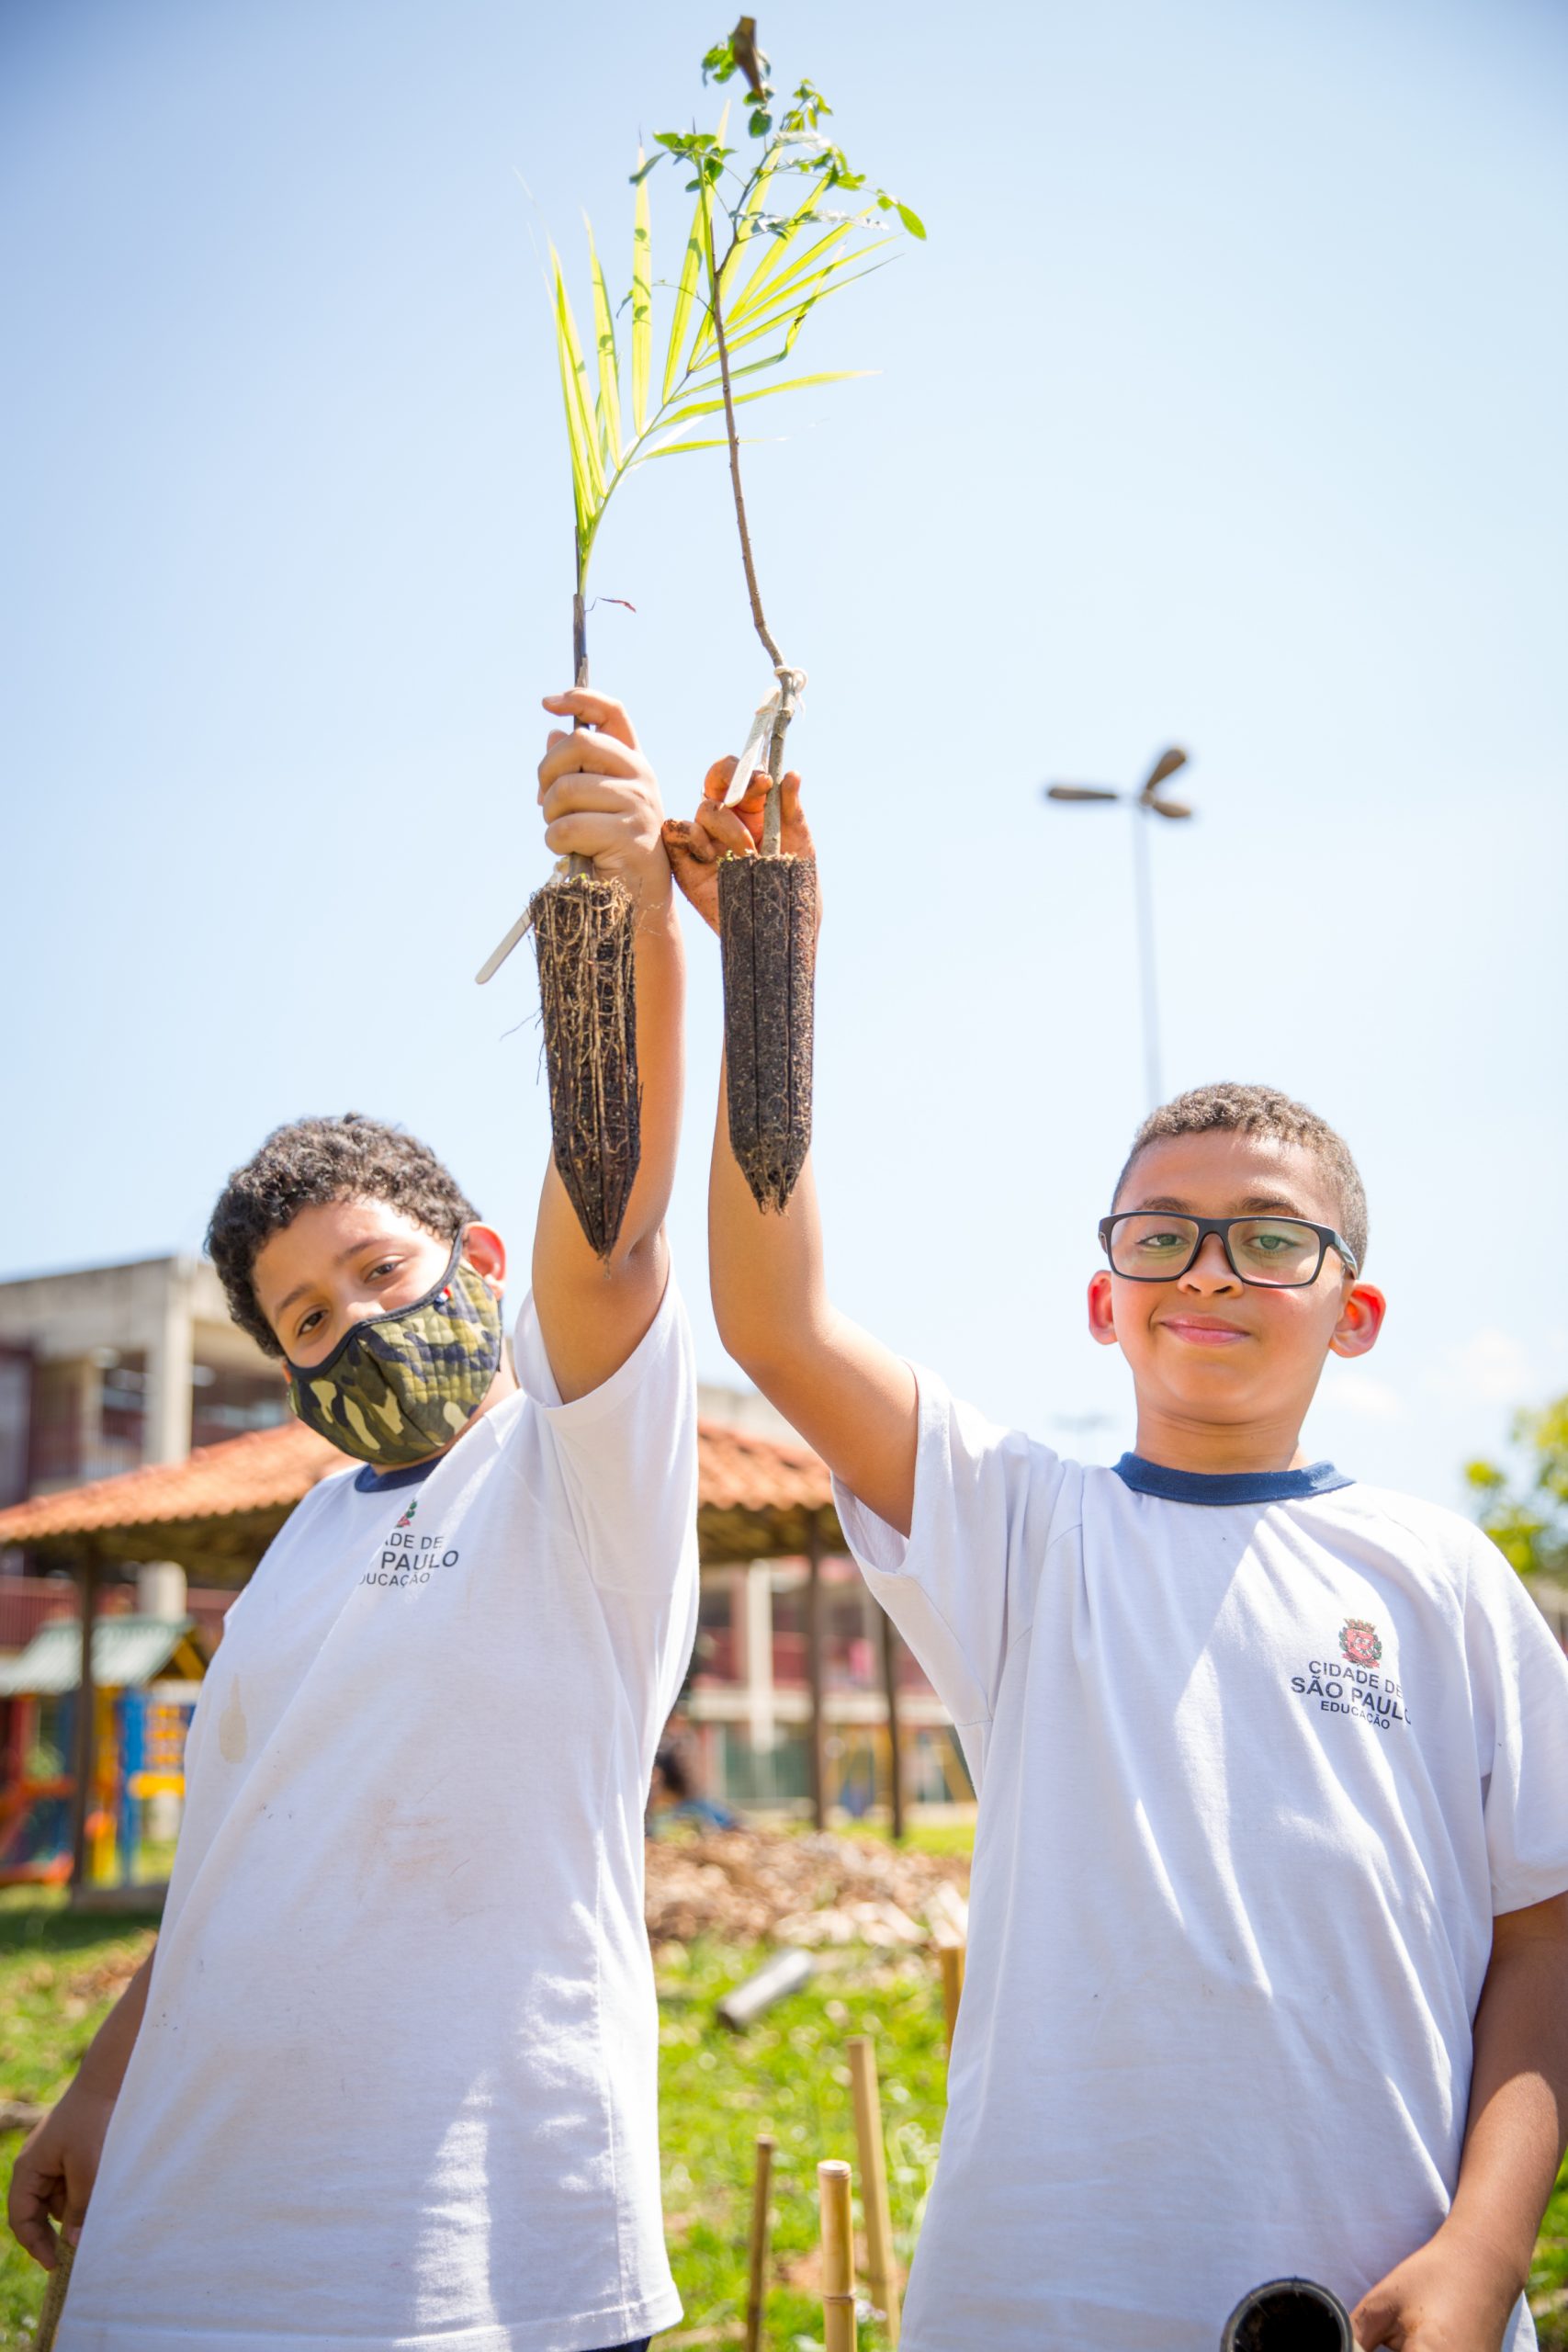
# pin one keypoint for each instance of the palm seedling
(584, 924)
(776, 266)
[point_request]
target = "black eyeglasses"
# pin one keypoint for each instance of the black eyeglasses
(1271, 1252)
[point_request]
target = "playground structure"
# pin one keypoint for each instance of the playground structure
(146, 1672)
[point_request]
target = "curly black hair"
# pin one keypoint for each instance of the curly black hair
(314, 1160)
(1262, 1110)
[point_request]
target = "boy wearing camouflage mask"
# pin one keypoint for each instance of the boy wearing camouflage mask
(390, 2077)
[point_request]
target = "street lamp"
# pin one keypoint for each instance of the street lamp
(1147, 801)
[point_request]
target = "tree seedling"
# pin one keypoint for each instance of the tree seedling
(583, 924)
(776, 266)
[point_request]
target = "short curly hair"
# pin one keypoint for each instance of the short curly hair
(311, 1161)
(1262, 1110)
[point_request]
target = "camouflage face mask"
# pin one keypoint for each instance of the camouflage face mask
(399, 1386)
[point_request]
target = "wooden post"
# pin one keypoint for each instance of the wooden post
(890, 1690)
(881, 2278)
(54, 2295)
(839, 2330)
(85, 1743)
(951, 1987)
(757, 2286)
(814, 1668)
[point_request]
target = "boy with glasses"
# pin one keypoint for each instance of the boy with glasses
(1268, 1934)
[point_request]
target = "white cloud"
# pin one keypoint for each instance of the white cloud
(1367, 1399)
(1490, 1368)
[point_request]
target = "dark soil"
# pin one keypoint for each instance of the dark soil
(584, 927)
(767, 909)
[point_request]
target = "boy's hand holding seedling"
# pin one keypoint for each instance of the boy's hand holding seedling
(698, 849)
(600, 798)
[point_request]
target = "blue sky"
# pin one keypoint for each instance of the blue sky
(1222, 407)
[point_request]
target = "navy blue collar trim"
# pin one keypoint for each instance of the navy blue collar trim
(1230, 1485)
(372, 1481)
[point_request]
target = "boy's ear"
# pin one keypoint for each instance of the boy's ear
(1101, 1316)
(1361, 1320)
(486, 1251)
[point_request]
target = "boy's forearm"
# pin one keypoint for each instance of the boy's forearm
(1518, 2100)
(769, 1294)
(849, 1397)
(102, 2070)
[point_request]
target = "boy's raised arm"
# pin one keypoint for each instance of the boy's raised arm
(849, 1395)
(600, 800)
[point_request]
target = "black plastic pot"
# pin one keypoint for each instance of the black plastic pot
(1289, 2315)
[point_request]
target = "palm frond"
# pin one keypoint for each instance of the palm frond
(587, 473)
(685, 294)
(684, 415)
(608, 404)
(746, 230)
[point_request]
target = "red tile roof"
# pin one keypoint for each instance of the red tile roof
(260, 1471)
(737, 1470)
(748, 1486)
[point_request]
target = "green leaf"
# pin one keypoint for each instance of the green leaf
(609, 402)
(684, 414)
(642, 303)
(777, 259)
(807, 269)
(912, 221)
(676, 449)
(685, 288)
(745, 233)
(587, 475)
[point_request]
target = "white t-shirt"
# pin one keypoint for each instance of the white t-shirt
(397, 2085)
(1258, 1759)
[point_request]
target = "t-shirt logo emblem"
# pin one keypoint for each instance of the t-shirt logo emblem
(407, 1519)
(1358, 1641)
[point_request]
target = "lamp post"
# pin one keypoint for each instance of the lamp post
(1147, 801)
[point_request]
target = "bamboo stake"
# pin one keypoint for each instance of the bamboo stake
(881, 2278)
(839, 2330)
(817, 1750)
(894, 1742)
(951, 1987)
(757, 2286)
(54, 2295)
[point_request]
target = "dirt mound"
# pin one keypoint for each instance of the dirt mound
(746, 1885)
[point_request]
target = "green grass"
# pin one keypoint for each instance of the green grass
(59, 1977)
(1549, 2275)
(920, 1837)
(788, 2076)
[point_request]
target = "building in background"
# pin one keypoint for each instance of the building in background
(747, 1709)
(113, 1370)
(110, 1367)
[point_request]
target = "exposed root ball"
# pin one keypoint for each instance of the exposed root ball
(767, 911)
(582, 935)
